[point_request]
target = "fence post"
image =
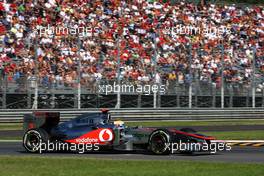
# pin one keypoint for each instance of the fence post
(79, 75)
(190, 74)
(118, 104)
(35, 104)
(155, 72)
(53, 94)
(222, 77)
(155, 100)
(253, 78)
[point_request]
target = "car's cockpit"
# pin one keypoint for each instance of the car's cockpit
(91, 119)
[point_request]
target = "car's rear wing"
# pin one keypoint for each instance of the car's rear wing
(40, 119)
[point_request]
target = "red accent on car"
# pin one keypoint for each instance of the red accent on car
(104, 110)
(31, 125)
(193, 135)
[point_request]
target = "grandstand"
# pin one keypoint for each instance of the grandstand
(58, 53)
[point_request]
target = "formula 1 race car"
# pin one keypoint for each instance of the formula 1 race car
(99, 129)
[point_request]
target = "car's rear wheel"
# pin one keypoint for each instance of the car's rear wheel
(159, 142)
(34, 138)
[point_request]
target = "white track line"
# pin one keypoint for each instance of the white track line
(10, 140)
(239, 141)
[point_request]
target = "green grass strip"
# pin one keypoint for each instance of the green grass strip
(54, 166)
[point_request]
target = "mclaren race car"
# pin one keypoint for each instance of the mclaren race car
(98, 129)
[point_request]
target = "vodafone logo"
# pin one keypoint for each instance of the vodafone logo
(105, 135)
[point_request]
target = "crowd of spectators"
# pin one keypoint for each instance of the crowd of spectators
(140, 32)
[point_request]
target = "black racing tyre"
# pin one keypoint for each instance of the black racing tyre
(188, 130)
(33, 138)
(159, 140)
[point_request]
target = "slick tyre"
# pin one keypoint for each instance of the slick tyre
(34, 138)
(159, 141)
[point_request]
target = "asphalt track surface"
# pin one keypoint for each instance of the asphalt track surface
(15, 133)
(237, 154)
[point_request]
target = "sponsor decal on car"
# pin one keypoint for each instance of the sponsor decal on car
(105, 135)
(100, 136)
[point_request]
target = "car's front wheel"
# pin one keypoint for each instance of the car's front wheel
(159, 142)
